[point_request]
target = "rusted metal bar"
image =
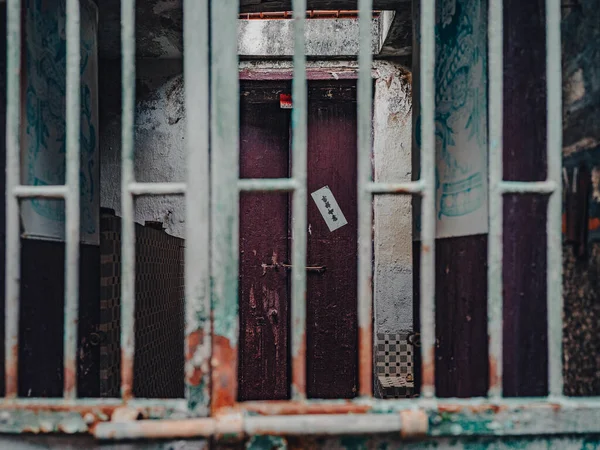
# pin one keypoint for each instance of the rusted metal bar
(365, 203)
(127, 199)
(428, 222)
(286, 408)
(299, 202)
(474, 417)
(495, 155)
(13, 179)
(72, 207)
(511, 418)
(554, 225)
(239, 427)
(225, 196)
(267, 185)
(197, 245)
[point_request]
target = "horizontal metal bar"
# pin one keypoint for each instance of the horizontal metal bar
(527, 187)
(267, 185)
(24, 191)
(516, 416)
(239, 426)
(157, 188)
(408, 188)
(59, 404)
(449, 418)
(362, 405)
(283, 407)
(78, 416)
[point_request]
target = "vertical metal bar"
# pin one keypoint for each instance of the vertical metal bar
(554, 225)
(127, 199)
(225, 200)
(495, 149)
(365, 208)
(299, 169)
(427, 61)
(13, 250)
(72, 206)
(197, 251)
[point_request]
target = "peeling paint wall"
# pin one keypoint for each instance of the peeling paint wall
(159, 141)
(392, 124)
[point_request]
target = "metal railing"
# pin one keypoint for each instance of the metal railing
(211, 273)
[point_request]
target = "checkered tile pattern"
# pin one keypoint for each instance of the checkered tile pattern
(159, 311)
(394, 365)
(159, 318)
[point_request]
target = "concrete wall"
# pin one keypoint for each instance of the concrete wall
(160, 156)
(324, 37)
(392, 125)
(159, 140)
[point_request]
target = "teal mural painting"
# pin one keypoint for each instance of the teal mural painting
(44, 136)
(460, 118)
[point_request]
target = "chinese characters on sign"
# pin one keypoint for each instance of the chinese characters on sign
(329, 208)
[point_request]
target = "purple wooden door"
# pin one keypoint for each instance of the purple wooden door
(265, 243)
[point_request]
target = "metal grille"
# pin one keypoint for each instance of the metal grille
(212, 96)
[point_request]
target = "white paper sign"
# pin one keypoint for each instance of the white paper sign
(329, 208)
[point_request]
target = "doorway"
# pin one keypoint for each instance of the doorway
(265, 242)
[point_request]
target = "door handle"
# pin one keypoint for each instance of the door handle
(317, 269)
(276, 266)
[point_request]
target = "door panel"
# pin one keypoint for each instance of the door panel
(264, 294)
(332, 295)
(265, 243)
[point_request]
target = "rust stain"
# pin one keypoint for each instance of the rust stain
(126, 376)
(428, 370)
(224, 375)
(425, 248)
(194, 341)
(12, 372)
(365, 364)
(286, 408)
(493, 368)
(556, 407)
(70, 379)
(475, 409)
(415, 424)
(299, 367)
